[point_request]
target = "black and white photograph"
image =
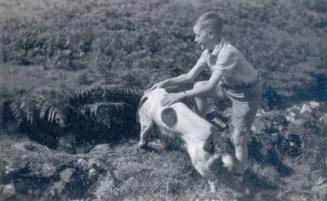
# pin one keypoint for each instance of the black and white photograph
(163, 100)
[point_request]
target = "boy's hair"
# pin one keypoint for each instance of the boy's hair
(210, 20)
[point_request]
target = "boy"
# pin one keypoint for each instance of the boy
(232, 77)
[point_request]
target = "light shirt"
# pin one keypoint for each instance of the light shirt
(236, 70)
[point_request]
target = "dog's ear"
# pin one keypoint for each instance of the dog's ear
(145, 98)
(169, 116)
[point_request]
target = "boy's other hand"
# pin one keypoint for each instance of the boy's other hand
(171, 98)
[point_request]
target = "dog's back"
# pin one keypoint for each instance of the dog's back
(176, 118)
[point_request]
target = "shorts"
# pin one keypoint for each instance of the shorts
(245, 103)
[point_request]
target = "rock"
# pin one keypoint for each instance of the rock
(82, 163)
(323, 118)
(294, 108)
(66, 174)
(293, 120)
(314, 104)
(92, 173)
(272, 122)
(290, 145)
(48, 170)
(28, 145)
(57, 188)
(293, 195)
(323, 121)
(96, 163)
(9, 169)
(66, 52)
(7, 191)
(66, 143)
(12, 71)
(306, 108)
(309, 107)
(261, 113)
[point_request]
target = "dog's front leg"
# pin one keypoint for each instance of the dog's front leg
(145, 130)
(212, 185)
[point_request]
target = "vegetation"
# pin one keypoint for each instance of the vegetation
(114, 36)
(118, 48)
(96, 108)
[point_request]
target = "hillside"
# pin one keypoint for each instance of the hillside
(72, 71)
(285, 41)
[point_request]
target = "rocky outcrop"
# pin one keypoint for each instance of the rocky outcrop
(32, 171)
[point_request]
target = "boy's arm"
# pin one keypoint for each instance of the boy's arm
(175, 97)
(212, 83)
(186, 77)
(226, 63)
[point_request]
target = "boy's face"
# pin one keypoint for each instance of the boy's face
(203, 37)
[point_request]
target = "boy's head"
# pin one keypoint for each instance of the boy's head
(207, 29)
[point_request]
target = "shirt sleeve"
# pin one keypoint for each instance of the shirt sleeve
(226, 61)
(202, 61)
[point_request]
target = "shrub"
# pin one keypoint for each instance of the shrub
(100, 112)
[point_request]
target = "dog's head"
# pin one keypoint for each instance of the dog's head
(148, 108)
(145, 120)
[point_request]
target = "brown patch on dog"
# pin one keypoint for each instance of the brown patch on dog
(209, 145)
(169, 116)
(143, 101)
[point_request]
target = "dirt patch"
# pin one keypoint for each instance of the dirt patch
(16, 78)
(26, 8)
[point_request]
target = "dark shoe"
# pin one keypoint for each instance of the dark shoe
(238, 177)
(218, 123)
(217, 120)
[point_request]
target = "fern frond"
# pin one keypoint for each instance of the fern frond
(44, 109)
(111, 93)
(108, 106)
(16, 112)
(49, 104)
(104, 112)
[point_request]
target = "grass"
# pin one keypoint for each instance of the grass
(84, 42)
(112, 36)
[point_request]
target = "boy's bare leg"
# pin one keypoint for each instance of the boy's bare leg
(239, 140)
(201, 106)
(201, 101)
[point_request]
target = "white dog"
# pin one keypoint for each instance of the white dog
(190, 127)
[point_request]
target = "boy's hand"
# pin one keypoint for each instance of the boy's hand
(171, 98)
(158, 85)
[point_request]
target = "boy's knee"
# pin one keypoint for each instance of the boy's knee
(239, 137)
(199, 84)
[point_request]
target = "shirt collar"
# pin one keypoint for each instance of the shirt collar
(217, 47)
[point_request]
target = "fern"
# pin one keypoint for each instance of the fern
(96, 108)
(111, 93)
(44, 104)
(16, 112)
(104, 112)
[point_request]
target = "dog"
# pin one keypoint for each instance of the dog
(193, 130)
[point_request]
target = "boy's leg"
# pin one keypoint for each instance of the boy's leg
(239, 140)
(201, 102)
(201, 107)
(244, 109)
